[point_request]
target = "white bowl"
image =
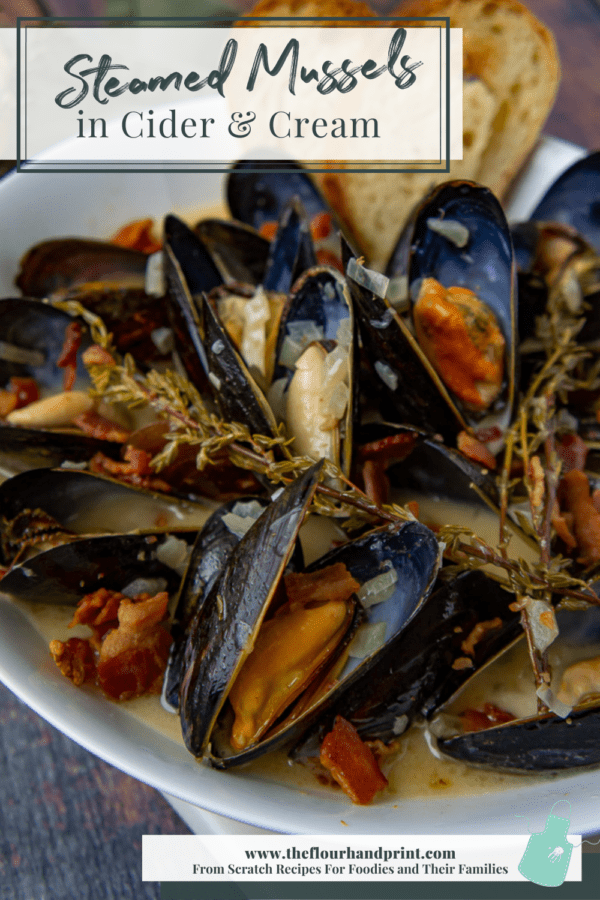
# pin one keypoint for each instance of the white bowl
(37, 206)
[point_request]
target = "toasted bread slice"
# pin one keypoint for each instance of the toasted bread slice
(511, 75)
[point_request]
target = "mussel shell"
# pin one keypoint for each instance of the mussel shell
(257, 198)
(417, 673)
(544, 743)
(485, 265)
(212, 548)
(235, 608)
(197, 266)
(85, 503)
(58, 265)
(237, 250)
(237, 394)
(33, 325)
(574, 199)
(413, 552)
(291, 251)
(407, 380)
(321, 296)
(63, 574)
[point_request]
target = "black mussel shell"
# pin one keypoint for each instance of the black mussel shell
(406, 379)
(235, 608)
(412, 551)
(87, 503)
(321, 300)
(59, 265)
(32, 335)
(212, 548)
(260, 197)
(63, 574)
(484, 264)
(237, 250)
(291, 251)
(199, 270)
(574, 199)
(418, 674)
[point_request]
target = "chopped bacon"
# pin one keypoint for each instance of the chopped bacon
(320, 226)
(475, 450)
(351, 762)
(326, 257)
(268, 230)
(413, 507)
(135, 470)
(97, 426)
(133, 657)
(331, 583)
(138, 235)
(574, 493)
(572, 451)
(376, 457)
(562, 524)
(130, 639)
(68, 357)
(480, 719)
(98, 610)
(75, 659)
(376, 484)
(97, 356)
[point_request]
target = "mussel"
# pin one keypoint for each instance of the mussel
(223, 667)
(452, 365)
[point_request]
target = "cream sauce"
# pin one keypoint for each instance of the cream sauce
(413, 771)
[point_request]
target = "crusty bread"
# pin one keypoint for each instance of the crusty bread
(310, 8)
(511, 74)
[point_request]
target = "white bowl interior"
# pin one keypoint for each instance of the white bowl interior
(39, 206)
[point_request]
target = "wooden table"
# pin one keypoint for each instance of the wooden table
(71, 825)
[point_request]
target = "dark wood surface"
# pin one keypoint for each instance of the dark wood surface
(71, 825)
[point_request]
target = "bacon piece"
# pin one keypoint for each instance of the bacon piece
(489, 715)
(68, 357)
(351, 762)
(268, 230)
(135, 470)
(574, 492)
(98, 610)
(320, 226)
(572, 451)
(475, 450)
(562, 524)
(75, 659)
(133, 657)
(376, 457)
(137, 235)
(97, 426)
(331, 583)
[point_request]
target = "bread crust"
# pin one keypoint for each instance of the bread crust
(511, 72)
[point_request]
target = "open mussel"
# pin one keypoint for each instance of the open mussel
(574, 200)
(451, 365)
(210, 553)
(44, 429)
(492, 724)
(263, 687)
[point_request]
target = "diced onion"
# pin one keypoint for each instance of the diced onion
(387, 375)
(378, 589)
(150, 586)
(174, 553)
(367, 640)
